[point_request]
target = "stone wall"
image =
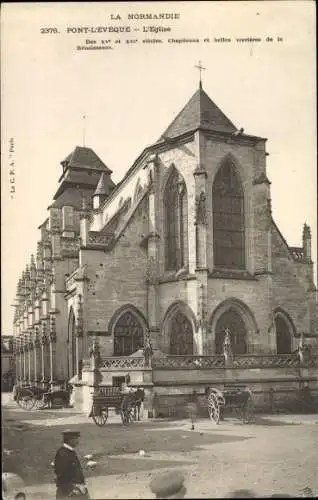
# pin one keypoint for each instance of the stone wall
(116, 279)
(249, 166)
(169, 391)
(291, 281)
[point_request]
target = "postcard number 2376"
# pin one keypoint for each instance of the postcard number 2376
(48, 30)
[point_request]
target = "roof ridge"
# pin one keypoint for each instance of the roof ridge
(199, 111)
(179, 114)
(86, 157)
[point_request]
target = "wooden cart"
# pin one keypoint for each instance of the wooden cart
(234, 397)
(33, 396)
(109, 397)
(29, 396)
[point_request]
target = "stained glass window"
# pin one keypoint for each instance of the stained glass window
(283, 337)
(183, 203)
(128, 334)
(232, 321)
(181, 335)
(176, 222)
(228, 219)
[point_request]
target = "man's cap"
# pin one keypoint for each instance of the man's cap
(70, 434)
(167, 484)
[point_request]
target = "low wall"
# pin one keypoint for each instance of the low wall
(274, 380)
(267, 397)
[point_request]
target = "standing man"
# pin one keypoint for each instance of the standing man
(70, 480)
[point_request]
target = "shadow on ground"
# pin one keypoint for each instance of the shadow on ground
(258, 420)
(34, 446)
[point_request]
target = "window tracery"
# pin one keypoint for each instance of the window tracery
(128, 334)
(181, 335)
(228, 219)
(176, 222)
(232, 322)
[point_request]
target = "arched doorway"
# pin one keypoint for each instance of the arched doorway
(233, 321)
(128, 334)
(181, 335)
(283, 335)
(71, 345)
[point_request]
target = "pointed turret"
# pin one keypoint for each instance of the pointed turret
(27, 278)
(32, 268)
(19, 293)
(101, 192)
(199, 112)
(307, 242)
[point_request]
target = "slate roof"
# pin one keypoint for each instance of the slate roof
(83, 168)
(83, 157)
(81, 177)
(200, 111)
(71, 196)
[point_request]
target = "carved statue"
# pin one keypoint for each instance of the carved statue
(148, 351)
(304, 350)
(95, 350)
(201, 209)
(227, 347)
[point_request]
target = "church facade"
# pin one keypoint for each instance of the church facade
(182, 252)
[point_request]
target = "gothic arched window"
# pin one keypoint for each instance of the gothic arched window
(283, 337)
(128, 334)
(232, 321)
(176, 222)
(181, 335)
(228, 219)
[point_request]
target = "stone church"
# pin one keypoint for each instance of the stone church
(184, 249)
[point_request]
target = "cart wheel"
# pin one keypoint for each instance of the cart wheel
(214, 408)
(100, 415)
(26, 399)
(40, 403)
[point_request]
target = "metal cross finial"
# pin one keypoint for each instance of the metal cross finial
(200, 68)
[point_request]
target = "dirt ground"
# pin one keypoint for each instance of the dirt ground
(274, 454)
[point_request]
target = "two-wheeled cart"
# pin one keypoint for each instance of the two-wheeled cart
(110, 397)
(234, 397)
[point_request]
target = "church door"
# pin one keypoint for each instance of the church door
(128, 334)
(232, 321)
(181, 335)
(283, 337)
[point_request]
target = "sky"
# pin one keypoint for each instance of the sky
(131, 93)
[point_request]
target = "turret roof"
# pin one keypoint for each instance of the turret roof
(102, 186)
(199, 112)
(83, 157)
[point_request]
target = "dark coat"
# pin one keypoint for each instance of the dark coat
(68, 471)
